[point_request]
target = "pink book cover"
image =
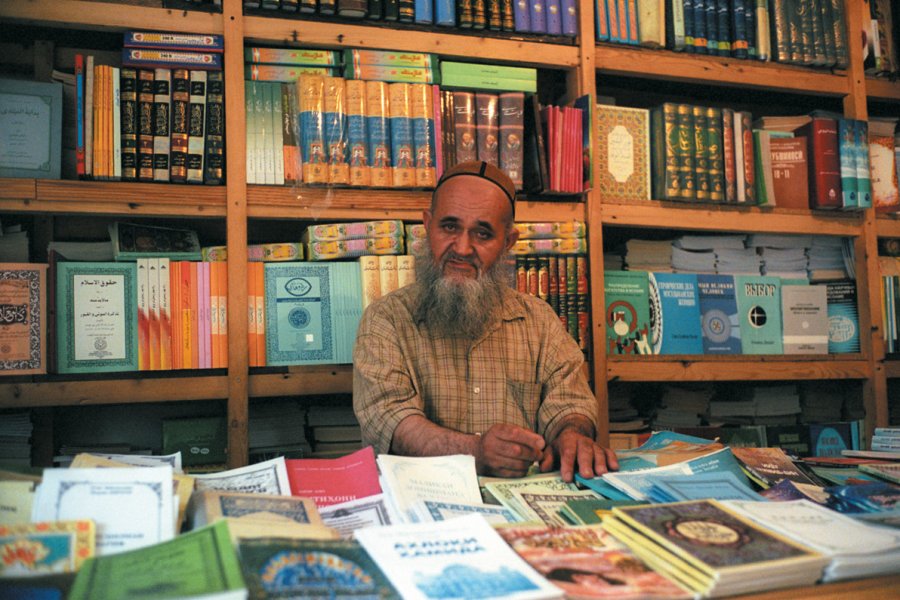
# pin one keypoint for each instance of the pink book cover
(334, 480)
(203, 302)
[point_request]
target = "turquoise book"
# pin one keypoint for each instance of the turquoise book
(675, 314)
(627, 296)
(96, 317)
(759, 307)
(847, 156)
(719, 324)
(861, 156)
(843, 317)
(312, 312)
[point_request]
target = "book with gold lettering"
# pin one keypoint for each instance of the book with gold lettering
(379, 133)
(23, 318)
(357, 132)
(311, 91)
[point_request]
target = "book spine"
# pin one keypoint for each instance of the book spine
(214, 167)
(116, 114)
(781, 30)
(215, 329)
(181, 97)
(750, 173)
(849, 184)
(699, 17)
(89, 112)
(798, 52)
(370, 278)
(701, 154)
(437, 122)
(424, 11)
(675, 39)
(327, 7)
(336, 131)
(759, 30)
(406, 11)
(400, 123)
(664, 142)
(261, 338)
(143, 306)
(464, 14)
(494, 15)
(723, 27)
(95, 168)
(572, 296)
(252, 330)
(175, 314)
(311, 91)
(522, 15)
(162, 98)
(353, 9)
(686, 152)
(375, 10)
(129, 122)
(583, 303)
(807, 49)
(840, 34)
(824, 162)
(253, 152)
(165, 315)
(145, 124)
(265, 149)
(464, 126)
(861, 155)
(712, 26)
(479, 14)
(153, 300)
(553, 282)
(739, 43)
(357, 136)
(307, 6)
(512, 134)
(688, 13)
(421, 100)
(487, 128)
(445, 13)
(828, 43)
(79, 115)
(290, 116)
(200, 42)
(739, 174)
(277, 123)
(716, 159)
(196, 129)
(728, 156)
(170, 59)
(378, 129)
(818, 37)
(553, 16)
(537, 16)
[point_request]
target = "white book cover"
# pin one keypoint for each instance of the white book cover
(268, 477)
(504, 490)
(347, 517)
(132, 507)
(439, 510)
(407, 479)
(459, 558)
(277, 142)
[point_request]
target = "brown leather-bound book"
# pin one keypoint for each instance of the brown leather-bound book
(464, 126)
(824, 162)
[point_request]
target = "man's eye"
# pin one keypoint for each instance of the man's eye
(449, 227)
(484, 235)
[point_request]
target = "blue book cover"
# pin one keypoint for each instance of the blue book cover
(521, 15)
(829, 439)
(739, 44)
(538, 16)
(863, 176)
(424, 11)
(445, 13)
(712, 26)
(843, 317)
(31, 129)
(700, 25)
(719, 322)
(759, 307)
(554, 17)
(601, 21)
(400, 125)
(688, 16)
(750, 24)
(847, 154)
(569, 17)
(312, 311)
(674, 300)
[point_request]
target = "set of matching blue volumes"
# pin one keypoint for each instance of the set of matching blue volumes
(542, 17)
(803, 32)
(159, 117)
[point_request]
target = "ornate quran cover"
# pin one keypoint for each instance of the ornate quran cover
(23, 318)
(281, 568)
(623, 150)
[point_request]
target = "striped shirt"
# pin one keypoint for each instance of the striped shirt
(526, 371)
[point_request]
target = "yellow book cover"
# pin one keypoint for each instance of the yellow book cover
(23, 331)
(421, 104)
(406, 269)
(336, 131)
(311, 91)
(261, 313)
(45, 547)
(370, 276)
(357, 138)
(387, 269)
(165, 315)
(379, 133)
(401, 135)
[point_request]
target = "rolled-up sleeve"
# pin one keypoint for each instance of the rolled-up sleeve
(384, 392)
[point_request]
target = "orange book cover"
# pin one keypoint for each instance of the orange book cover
(96, 111)
(143, 283)
(187, 331)
(214, 329)
(223, 313)
(194, 312)
(110, 118)
(261, 313)
(153, 298)
(165, 315)
(175, 311)
(252, 355)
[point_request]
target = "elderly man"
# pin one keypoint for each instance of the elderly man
(461, 363)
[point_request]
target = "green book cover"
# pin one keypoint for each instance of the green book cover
(817, 34)
(664, 141)
(96, 317)
(840, 34)
(701, 154)
(781, 29)
(199, 563)
(488, 82)
(828, 44)
(627, 297)
(847, 154)
(451, 69)
(805, 20)
(685, 152)
(715, 149)
(201, 440)
(759, 310)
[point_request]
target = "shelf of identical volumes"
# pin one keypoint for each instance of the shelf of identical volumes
(300, 202)
(737, 368)
(343, 35)
(62, 196)
(171, 386)
(648, 63)
(731, 217)
(105, 15)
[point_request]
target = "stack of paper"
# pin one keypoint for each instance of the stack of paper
(682, 406)
(649, 255)
(713, 550)
(779, 240)
(693, 261)
(738, 261)
(407, 479)
(822, 402)
(787, 263)
(826, 259)
(856, 549)
(277, 426)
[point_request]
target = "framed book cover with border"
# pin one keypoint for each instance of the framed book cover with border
(23, 318)
(96, 317)
(30, 129)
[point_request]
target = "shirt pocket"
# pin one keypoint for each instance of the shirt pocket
(523, 402)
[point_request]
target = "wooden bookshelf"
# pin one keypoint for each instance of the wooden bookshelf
(737, 368)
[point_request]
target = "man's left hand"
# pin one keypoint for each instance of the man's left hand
(572, 447)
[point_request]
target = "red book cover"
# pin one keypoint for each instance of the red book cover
(464, 126)
(824, 162)
(749, 168)
(790, 179)
(330, 481)
(728, 155)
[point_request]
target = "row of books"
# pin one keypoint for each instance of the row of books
(881, 35)
(680, 313)
(545, 17)
(562, 282)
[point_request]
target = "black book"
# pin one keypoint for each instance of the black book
(406, 10)
(494, 15)
(145, 124)
(215, 129)
(391, 10)
(327, 7)
(181, 97)
(353, 9)
(536, 176)
(479, 14)
(289, 5)
(376, 9)
(307, 6)
(129, 125)
(464, 16)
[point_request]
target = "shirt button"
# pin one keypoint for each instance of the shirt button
(477, 390)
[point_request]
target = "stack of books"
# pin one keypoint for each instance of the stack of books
(276, 428)
(383, 274)
(328, 241)
(15, 433)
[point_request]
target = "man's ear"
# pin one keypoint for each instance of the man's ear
(426, 217)
(512, 237)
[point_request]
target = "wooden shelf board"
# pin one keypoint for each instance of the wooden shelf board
(111, 198)
(892, 368)
(873, 588)
(888, 225)
(715, 70)
(303, 381)
(735, 368)
(82, 14)
(447, 45)
(882, 89)
(729, 218)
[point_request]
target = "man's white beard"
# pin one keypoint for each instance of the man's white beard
(459, 307)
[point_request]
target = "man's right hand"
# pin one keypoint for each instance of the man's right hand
(508, 451)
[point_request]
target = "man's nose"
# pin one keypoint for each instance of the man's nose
(462, 245)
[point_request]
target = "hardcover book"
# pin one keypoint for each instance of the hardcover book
(132, 241)
(30, 129)
(790, 177)
(675, 314)
(464, 126)
(402, 142)
(214, 164)
(421, 102)
(759, 307)
(377, 124)
(487, 127)
(823, 162)
(311, 93)
(96, 312)
(357, 132)
(805, 319)
(335, 131)
(23, 318)
(719, 320)
(623, 150)
(627, 312)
